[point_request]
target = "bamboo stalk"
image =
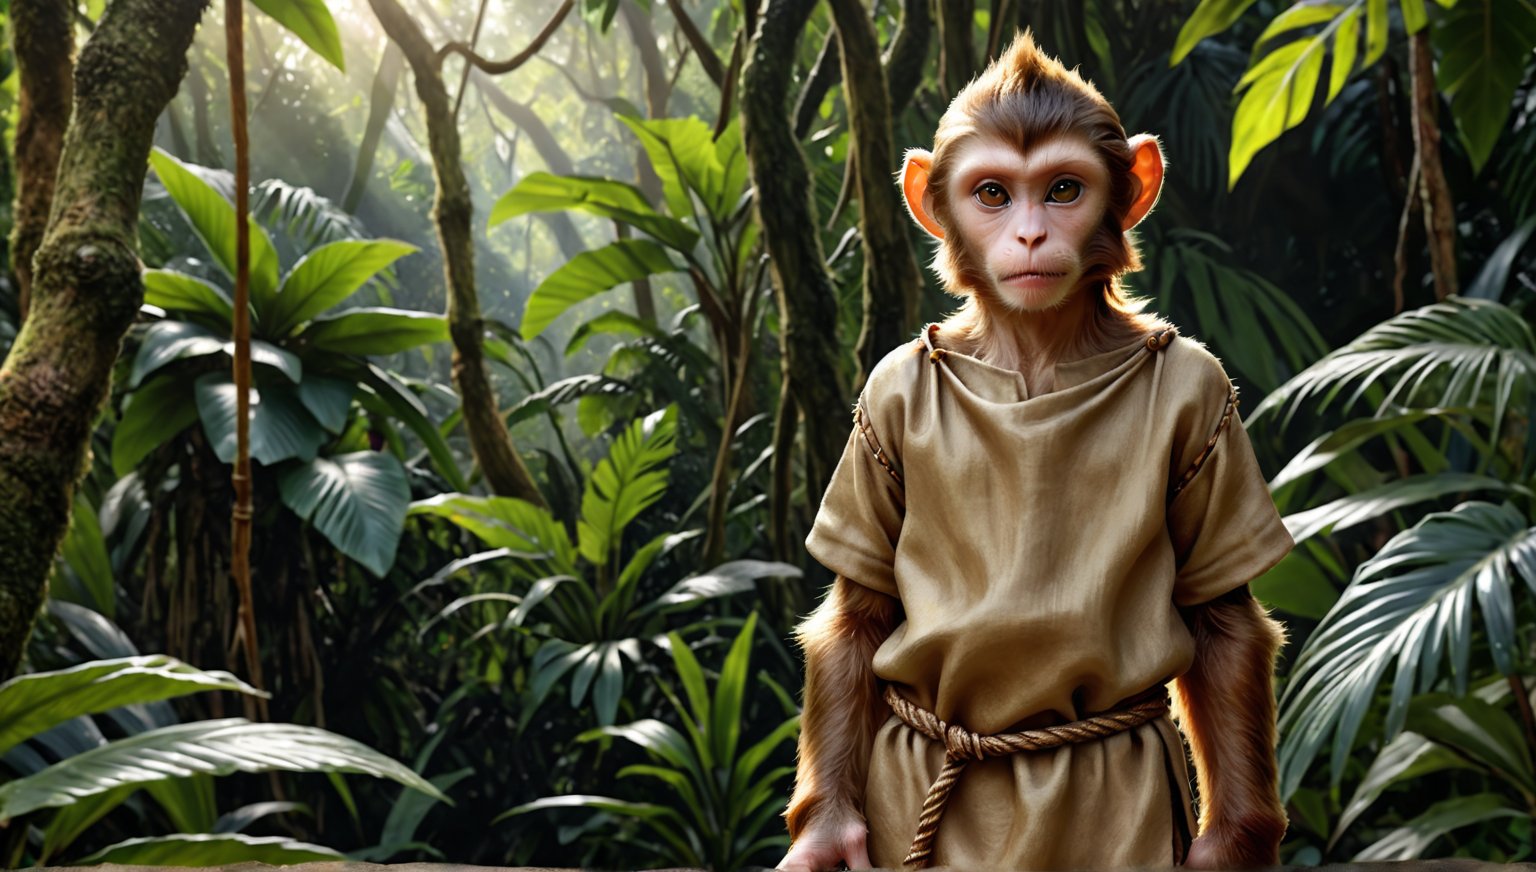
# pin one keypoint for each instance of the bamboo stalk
(240, 517)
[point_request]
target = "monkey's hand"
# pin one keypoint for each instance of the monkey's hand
(826, 842)
(1221, 849)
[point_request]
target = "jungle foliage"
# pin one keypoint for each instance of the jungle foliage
(599, 674)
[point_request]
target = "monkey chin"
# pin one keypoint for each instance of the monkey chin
(1026, 294)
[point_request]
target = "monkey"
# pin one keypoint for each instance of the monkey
(913, 659)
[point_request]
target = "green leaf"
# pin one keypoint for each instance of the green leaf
(725, 730)
(218, 747)
(544, 192)
(505, 522)
(1296, 586)
(180, 292)
(564, 391)
(211, 849)
(375, 331)
(1405, 759)
(591, 273)
(1335, 444)
(1483, 48)
(1407, 608)
(311, 22)
(1480, 731)
(600, 803)
(1209, 18)
(357, 501)
(686, 157)
(328, 399)
(1279, 96)
(213, 220)
(733, 577)
(1411, 840)
(85, 551)
(280, 426)
(152, 415)
(32, 703)
(386, 395)
(71, 821)
(1348, 511)
(168, 341)
(631, 478)
(613, 323)
(327, 276)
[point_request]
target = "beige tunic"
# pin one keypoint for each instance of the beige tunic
(1039, 553)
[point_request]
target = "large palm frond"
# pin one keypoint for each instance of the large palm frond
(1454, 353)
(1407, 608)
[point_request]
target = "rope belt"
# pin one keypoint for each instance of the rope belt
(961, 746)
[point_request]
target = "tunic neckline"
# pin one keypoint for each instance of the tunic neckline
(1000, 386)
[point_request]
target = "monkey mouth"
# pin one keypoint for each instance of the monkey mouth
(1033, 274)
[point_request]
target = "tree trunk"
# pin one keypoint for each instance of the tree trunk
(1439, 209)
(42, 38)
(907, 56)
(86, 289)
(824, 75)
(381, 98)
(657, 90)
(807, 302)
(891, 278)
(452, 210)
(957, 53)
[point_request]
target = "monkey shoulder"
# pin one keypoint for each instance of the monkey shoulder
(1198, 386)
(891, 389)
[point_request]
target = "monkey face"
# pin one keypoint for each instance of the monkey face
(1026, 216)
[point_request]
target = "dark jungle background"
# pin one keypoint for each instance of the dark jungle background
(542, 616)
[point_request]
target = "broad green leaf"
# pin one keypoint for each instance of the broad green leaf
(1348, 511)
(1411, 840)
(375, 331)
(1296, 586)
(213, 220)
(357, 501)
(1279, 96)
(328, 399)
(1484, 47)
(281, 428)
(632, 477)
(1346, 45)
(600, 803)
(736, 576)
(1376, 29)
(1404, 760)
(565, 390)
(612, 323)
(1484, 734)
(71, 821)
(1407, 608)
(32, 703)
(1335, 444)
(212, 849)
(168, 341)
(180, 292)
(327, 276)
(725, 731)
(85, 551)
(386, 395)
(653, 736)
(188, 802)
(153, 414)
(311, 22)
(1209, 18)
(545, 192)
(505, 522)
(591, 273)
(686, 157)
(245, 815)
(218, 747)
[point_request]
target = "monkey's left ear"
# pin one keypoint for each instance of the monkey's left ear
(1147, 173)
(914, 189)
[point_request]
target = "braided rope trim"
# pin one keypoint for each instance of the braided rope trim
(873, 444)
(961, 746)
(1210, 445)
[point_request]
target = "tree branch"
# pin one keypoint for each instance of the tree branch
(497, 68)
(701, 47)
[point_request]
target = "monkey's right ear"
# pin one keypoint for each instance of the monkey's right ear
(914, 188)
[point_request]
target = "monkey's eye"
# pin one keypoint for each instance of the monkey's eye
(992, 195)
(1065, 191)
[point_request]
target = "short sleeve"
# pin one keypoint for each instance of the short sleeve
(856, 529)
(1222, 520)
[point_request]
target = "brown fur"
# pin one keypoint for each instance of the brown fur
(1226, 706)
(842, 708)
(1027, 97)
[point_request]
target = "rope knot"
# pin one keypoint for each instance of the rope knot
(962, 744)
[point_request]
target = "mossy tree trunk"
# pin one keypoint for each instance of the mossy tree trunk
(807, 301)
(957, 51)
(452, 211)
(891, 278)
(43, 41)
(86, 289)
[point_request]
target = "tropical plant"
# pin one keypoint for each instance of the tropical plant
(312, 366)
(170, 761)
(580, 599)
(1483, 47)
(718, 802)
(1450, 388)
(706, 231)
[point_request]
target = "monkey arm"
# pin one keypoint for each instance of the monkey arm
(1226, 705)
(842, 709)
